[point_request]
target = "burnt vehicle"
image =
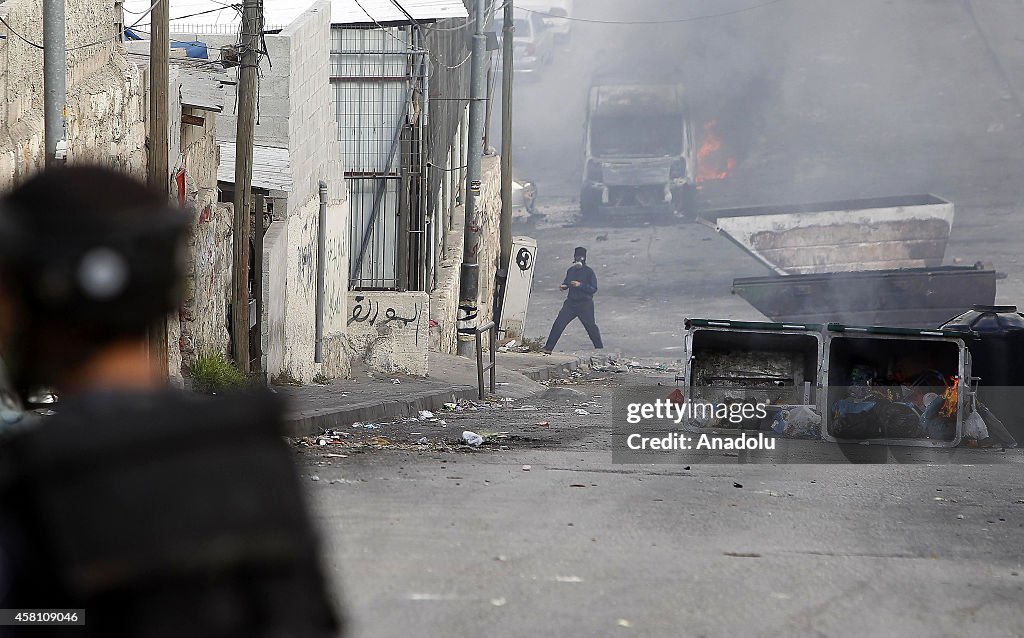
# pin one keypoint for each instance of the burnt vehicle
(640, 157)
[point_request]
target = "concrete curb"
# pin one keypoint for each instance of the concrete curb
(371, 411)
(314, 422)
(552, 371)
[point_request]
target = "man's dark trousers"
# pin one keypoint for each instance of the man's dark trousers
(582, 310)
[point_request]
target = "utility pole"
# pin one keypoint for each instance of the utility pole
(508, 73)
(55, 66)
(252, 24)
(158, 172)
(469, 276)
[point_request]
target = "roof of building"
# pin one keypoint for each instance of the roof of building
(271, 167)
(217, 16)
(202, 89)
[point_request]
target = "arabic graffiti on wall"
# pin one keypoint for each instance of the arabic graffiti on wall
(368, 311)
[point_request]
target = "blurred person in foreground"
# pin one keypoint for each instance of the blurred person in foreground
(581, 282)
(158, 512)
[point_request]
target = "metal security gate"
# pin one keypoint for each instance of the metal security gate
(379, 77)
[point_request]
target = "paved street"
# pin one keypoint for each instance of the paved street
(819, 100)
(440, 541)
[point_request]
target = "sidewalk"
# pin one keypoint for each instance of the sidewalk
(315, 408)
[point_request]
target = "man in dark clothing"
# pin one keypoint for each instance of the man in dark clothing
(581, 282)
(158, 512)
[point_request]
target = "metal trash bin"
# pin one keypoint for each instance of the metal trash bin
(772, 363)
(911, 365)
(995, 338)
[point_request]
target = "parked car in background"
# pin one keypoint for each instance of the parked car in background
(524, 202)
(533, 42)
(555, 14)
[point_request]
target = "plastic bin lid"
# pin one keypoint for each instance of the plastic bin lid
(752, 325)
(890, 330)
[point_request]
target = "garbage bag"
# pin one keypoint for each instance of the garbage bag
(878, 418)
(974, 425)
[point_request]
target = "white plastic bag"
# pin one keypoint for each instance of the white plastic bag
(974, 425)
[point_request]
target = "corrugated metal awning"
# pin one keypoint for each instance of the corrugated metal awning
(271, 167)
(349, 12)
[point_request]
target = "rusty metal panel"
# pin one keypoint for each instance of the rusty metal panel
(847, 236)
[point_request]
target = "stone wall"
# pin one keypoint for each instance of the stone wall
(105, 93)
(390, 330)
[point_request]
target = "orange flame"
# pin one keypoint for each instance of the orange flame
(709, 165)
(950, 398)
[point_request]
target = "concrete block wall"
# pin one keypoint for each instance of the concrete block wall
(295, 112)
(315, 156)
(106, 107)
(390, 330)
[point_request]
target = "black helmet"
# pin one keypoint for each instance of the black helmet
(92, 248)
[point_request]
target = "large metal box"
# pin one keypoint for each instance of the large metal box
(772, 363)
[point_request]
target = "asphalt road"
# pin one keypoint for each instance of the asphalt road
(442, 540)
(815, 101)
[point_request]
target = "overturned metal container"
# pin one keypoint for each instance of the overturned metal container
(791, 365)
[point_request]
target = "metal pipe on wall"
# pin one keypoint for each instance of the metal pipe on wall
(54, 76)
(469, 275)
(321, 273)
(508, 74)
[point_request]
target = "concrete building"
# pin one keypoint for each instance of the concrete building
(294, 153)
(400, 76)
(371, 98)
(107, 101)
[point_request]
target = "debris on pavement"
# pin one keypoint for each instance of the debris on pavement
(472, 438)
(426, 414)
(422, 441)
(561, 394)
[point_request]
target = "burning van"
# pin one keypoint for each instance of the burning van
(640, 157)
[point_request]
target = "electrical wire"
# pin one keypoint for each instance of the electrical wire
(109, 38)
(652, 22)
(20, 37)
